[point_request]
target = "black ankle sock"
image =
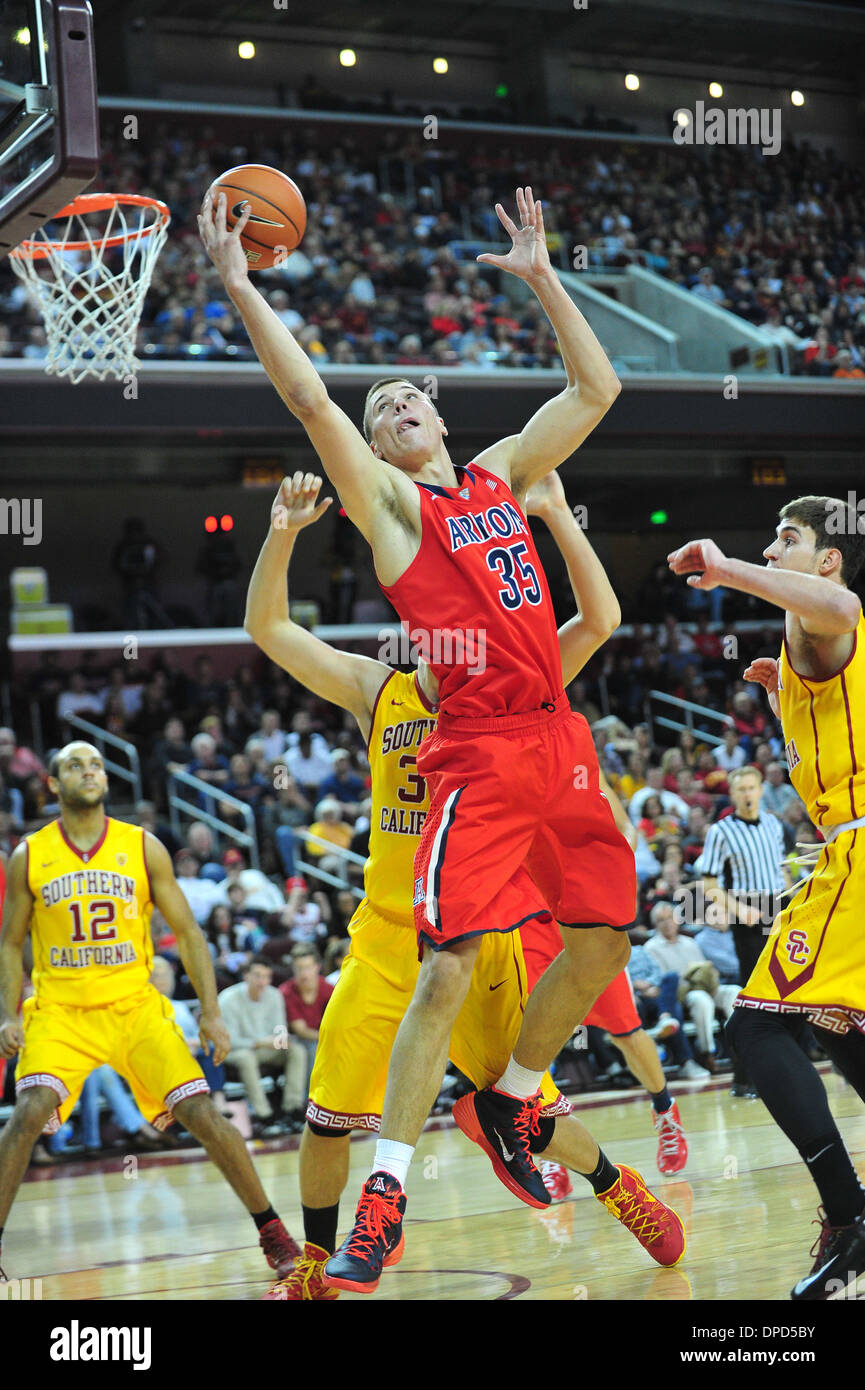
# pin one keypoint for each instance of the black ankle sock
(604, 1175)
(262, 1218)
(319, 1226)
(829, 1165)
(661, 1100)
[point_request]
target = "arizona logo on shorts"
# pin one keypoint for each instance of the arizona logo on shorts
(418, 892)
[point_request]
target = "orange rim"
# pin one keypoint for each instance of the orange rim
(96, 202)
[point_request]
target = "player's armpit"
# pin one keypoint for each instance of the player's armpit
(554, 432)
(342, 678)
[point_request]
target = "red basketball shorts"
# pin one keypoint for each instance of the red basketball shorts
(517, 829)
(614, 1010)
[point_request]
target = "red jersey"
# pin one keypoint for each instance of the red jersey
(475, 603)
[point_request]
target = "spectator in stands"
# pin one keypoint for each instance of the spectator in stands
(334, 956)
(654, 823)
(309, 763)
(201, 840)
(145, 815)
(675, 954)
(730, 754)
(306, 996)
(225, 934)
(201, 893)
(271, 735)
(12, 803)
(580, 703)
(343, 785)
(716, 943)
(208, 765)
(846, 368)
(104, 1082)
(705, 288)
(655, 994)
(77, 699)
(671, 805)
(634, 777)
(162, 977)
(329, 825)
(778, 794)
(17, 763)
(306, 919)
(282, 816)
(246, 785)
(694, 834)
(239, 717)
(254, 1014)
(261, 895)
(204, 689)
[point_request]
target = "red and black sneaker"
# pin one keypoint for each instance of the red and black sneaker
(502, 1126)
(280, 1251)
(376, 1241)
(839, 1261)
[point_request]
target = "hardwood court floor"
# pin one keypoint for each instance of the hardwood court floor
(172, 1230)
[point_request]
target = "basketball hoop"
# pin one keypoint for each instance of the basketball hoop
(93, 282)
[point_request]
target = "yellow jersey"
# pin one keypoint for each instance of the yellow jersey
(401, 719)
(824, 735)
(91, 916)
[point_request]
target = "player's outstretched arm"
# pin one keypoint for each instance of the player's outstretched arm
(824, 608)
(561, 424)
(343, 678)
(17, 910)
(366, 484)
(599, 613)
(190, 942)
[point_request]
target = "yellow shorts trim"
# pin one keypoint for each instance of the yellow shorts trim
(136, 1036)
(363, 1014)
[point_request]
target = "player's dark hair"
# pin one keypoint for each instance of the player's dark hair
(836, 525)
(376, 386)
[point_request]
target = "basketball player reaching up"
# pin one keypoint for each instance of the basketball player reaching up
(394, 712)
(85, 886)
(515, 808)
(812, 967)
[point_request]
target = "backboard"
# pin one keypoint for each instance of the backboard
(49, 127)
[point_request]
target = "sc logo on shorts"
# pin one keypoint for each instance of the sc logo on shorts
(797, 947)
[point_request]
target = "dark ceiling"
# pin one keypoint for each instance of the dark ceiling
(784, 37)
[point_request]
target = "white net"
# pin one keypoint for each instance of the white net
(88, 271)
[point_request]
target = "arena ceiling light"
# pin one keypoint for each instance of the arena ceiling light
(347, 58)
(632, 82)
(797, 98)
(440, 65)
(715, 89)
(246, 50)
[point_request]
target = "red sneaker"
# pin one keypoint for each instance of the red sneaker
(556, 1180)
(279, 1249)
(672, 1145)
(656, 1227)
(304, 1283)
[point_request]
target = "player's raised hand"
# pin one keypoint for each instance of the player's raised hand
(701, 561)
(528, 257)
(212, 1031)
(546, 495)
(297, 504)
(11, 1038)
(223, 246)
(763, 671)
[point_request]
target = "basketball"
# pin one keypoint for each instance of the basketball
(278, 218)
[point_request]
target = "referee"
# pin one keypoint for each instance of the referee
(742, 857)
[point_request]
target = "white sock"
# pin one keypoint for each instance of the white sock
(393, 1158)
(519, 1081)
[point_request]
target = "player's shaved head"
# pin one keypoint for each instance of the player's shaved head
(78, 748)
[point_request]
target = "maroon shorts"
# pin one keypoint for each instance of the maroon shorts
(517, 829)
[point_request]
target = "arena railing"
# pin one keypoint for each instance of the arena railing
(690, 708)
(101, 737)
(177, 803)
(328, 847)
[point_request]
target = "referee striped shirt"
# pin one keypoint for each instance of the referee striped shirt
(745, 856)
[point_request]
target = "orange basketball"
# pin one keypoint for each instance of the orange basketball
(278, 219)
